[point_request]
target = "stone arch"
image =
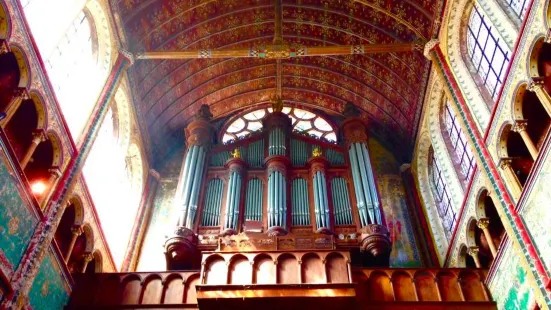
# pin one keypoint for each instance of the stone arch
(41, 109)
(23, 64)
(470, 232)
(518, 100)
(121, 112)
(479, 206)
(56, 147)
(135, 164)
(5, 22)
(76, 201)
(98, 262)
(103, 30)
(537, 46)
(88, 232)
(422, 171)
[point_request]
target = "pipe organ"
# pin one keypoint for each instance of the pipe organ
(277, 183)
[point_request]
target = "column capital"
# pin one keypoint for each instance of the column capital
(505, 162)
(429, 46)
(55, 172)
(88, 257)
(483, 223)
(535, 84)
(199, 131)
(38, 136)
(77, 230)
(4, 47)
(128, 55)
(355, 130)
(21, 92)
(473, 251)
(520, 125)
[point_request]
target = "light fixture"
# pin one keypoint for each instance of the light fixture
(38, 187)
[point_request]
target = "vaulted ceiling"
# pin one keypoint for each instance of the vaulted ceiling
(387, 87)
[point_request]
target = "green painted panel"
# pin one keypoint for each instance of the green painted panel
(16, 220)
(50, 290)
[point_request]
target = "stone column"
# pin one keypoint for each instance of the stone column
(19, 95)
(88, 257)
(485, 163)
(38, 137)
(536, 86)
(520, 126)
(75, 232)
(509, 174)
(43, 234)
(483, 225)
(181, 248)
(235, 167)
(318, 165)
(473, 252)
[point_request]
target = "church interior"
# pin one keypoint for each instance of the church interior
(268, 154)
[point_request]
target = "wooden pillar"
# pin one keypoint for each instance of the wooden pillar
(520, 126)
(510, 177)
(536, 86)
(88, 257)
(19, 95)
(26, 271)
(473, 252)
(75, 232)
(483, 225)
(38, 137)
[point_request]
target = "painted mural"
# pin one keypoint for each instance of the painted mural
(160, 226)
(405, 251)
(509, 287)
(536, 216)
(50, 290)
(16, 220)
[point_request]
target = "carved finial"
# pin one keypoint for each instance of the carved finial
(204, 113)
(350, 110)
(316, 152)
(236, 153)
(277, 105)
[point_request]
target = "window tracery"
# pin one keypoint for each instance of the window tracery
(488, 53)
(459, 144)
(441, 196)
(303, 121)
(520, 7)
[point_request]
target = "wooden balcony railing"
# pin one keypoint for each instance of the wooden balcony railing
(284, 280)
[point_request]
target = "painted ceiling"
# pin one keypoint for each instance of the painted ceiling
(387, 87)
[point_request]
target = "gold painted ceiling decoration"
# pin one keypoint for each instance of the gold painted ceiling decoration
(319, 54)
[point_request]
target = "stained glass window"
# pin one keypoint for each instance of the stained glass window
(303, 121)
(520, 7)
(487, 51)
(461, 149)
(441, 197)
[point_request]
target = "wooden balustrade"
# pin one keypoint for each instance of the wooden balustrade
(281, 279)
(138, 290)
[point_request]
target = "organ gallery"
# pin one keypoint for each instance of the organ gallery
(269, 154)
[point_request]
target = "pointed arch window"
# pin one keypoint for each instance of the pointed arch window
(463, 153)
(441, 196)
(520, 7)
(488, 53)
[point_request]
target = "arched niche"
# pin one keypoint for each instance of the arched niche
(512, 146)
(240, 270)
(23, 126)
(174, 289)
(425, 286)
(152, 291)
(130, 290)
(402, 284)
(464, 260)
(191, 292)
(216, 270)
(472, 287)
(287, 269)
(9, 79)
(380, 287)
(530, 114)
(264, 270)
(23, 65)
(312, 269)
(336, 268)
(5, 22)
(448, 286)
(108, 292)
(489, 211)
